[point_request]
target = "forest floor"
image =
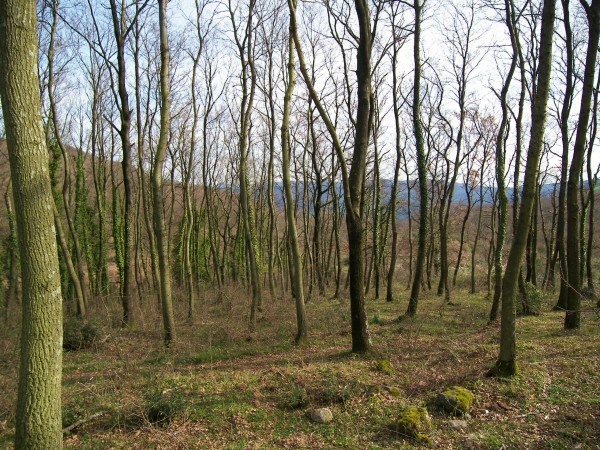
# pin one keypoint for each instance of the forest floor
(218, 387)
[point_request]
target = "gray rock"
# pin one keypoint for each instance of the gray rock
(458, 424)
(321, 415)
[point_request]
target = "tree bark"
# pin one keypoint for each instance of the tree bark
(157, 194)
(125, 115)
(292, 235)
(354, 181)
(506, 364)
(500, 160)
(573, 315)
(421, 167)
(38, 419)
(564, 133)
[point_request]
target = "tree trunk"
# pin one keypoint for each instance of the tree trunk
(38, 418)
(353, 181)
(421, 167)
(500, 159)
(394, 191)
(506, 364)
(573, 315)
(125, 115)
(592, 182)
(292, 235)
(564, 132)
(13, 243)
(157, 194)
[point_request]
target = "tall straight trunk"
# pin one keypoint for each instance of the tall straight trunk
(534, 238)
(549, 281)
(394, 191)
(573, 315)
(584, 204)
(157, 194)
(317, 208)
(564, 134)
(38, 418)
(492, 246)
(506, 364)
(270, 175)
(99, 167)
(141, 129)
(64, 246)
(292, 235)
(410, 220)
(245, 48)
(336, 229)
(354, 180)
(478, 230)
(500, 160)
(592, 181)
(376, 214)
(78, 276)
(189, 195)
(361, 340)
(421, 166)
(125, 116)
(446, 204)
(462, 237)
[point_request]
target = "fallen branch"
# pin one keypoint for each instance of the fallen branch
(82, 421)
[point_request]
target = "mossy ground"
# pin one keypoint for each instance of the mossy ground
(236, 390)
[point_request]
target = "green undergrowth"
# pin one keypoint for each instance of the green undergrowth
(220, 387)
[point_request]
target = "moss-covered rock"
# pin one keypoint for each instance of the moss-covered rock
(455, 400)
(414, 422)
(385, 366)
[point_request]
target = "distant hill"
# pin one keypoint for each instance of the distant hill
(459, 196)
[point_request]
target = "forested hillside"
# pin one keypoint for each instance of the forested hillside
(324, 224)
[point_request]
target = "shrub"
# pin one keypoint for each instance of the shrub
(376, 320)
(80, 333)
(531, 304)
(162, 406)
(293, 396)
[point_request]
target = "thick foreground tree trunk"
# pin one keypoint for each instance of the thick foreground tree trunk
(38, 420)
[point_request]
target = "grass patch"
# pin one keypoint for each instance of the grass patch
(220, 387)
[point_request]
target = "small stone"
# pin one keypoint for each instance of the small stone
(458, 424)
(321, 415)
